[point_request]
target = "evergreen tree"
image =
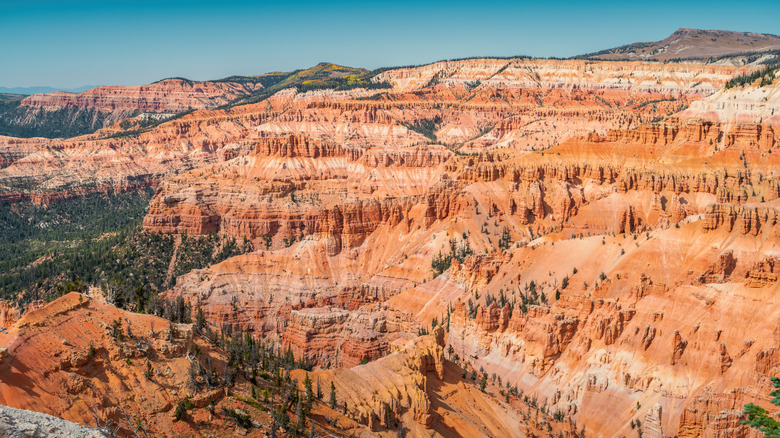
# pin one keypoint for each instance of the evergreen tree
(758, 417)
(171, 331)
(309, 392)
(301, 416)
(200, 320)
(332, 395)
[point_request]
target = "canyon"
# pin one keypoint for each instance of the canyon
(479, 247)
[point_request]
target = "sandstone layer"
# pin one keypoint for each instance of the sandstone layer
(473, 105)
(166, 96)
(421, 389)
(596, 275)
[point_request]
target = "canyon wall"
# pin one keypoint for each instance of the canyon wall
(595, 275)
(474, 106)
(598, 237)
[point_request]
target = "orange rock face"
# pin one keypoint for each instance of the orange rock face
(564, 226)
(614, 337)
(65, 353)
(100, 108)
(521, 104)
(658, 221)
(418, 387)
(9, 314)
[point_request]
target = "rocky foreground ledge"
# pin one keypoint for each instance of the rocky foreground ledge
(19, 423)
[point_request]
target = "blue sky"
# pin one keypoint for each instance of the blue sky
(65, 43)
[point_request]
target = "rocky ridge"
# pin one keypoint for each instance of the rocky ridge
(62, 114)
(166, 96)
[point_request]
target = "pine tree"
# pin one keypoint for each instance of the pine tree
(301, 416)
(171, 331)
(332, 395)
(309, 393)
(200, 320)
(759, 418)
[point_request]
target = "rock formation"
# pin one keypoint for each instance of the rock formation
(418, 387)
(520, 104)
(564, 227)
(21, 423)
(166, 96)
(70, 353)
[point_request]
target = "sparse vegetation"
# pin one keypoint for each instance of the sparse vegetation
(426, 127)
(506, 240)
(765, 74)
(442, 261)
(321, 76)
(201, 251)
(759, 418)
(181, 409)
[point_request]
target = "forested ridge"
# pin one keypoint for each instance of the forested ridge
(96, 240)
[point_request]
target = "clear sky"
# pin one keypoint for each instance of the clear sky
(64, 43)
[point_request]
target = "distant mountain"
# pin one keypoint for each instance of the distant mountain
(36, 90)
(693, 44)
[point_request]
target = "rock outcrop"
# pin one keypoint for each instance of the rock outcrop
(88, 361)
(61, 114)
(571, 273)
(20, 423)
(418, 387)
